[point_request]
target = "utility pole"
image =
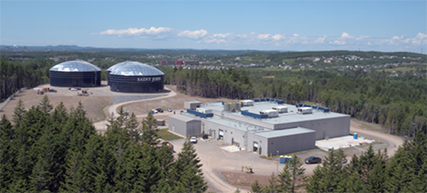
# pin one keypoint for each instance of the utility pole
(277, 169)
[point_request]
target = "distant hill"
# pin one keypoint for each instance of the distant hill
(139, 50)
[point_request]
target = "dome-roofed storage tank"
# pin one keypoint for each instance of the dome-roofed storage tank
(112, 68)
(136, 77)
(77, 73)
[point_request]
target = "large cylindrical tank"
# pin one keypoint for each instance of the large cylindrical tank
(76, 73)
(136, 77)
(236, 106)
(227, 107)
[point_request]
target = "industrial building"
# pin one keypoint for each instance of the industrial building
(137, 77)
(75, 73)
(264, 126)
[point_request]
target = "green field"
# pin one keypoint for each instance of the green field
(168, 136)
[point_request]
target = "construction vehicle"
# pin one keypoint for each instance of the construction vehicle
(249, 169)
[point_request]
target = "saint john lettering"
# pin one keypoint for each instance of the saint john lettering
(149, 79)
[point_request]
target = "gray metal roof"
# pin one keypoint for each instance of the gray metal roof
(112, 68)
(253, 129)
(75, 66)
(285, 132)
(183, 118)
(131, 68)
(290, 117)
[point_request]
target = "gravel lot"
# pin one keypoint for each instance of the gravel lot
(122, 99)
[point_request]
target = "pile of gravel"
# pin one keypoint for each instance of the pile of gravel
(122, 99)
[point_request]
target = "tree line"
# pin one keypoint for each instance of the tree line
(229, 83)
(58, 150)
(371, 171)
(15, 75)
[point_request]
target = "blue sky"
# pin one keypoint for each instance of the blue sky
(260, 25)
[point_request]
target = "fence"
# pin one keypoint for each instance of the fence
(2, 105)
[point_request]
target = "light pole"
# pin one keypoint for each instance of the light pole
(277, 169)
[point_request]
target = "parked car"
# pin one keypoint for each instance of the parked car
(52, 90)
(159, 110)
(154, 111)
(169, 109)
(193, 139)
(313, 160)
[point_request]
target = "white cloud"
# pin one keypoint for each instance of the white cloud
(220, 35)
(256, 40)
(193, 34)
(338, 42)
(398, 37)
(215, 41)
(136, 32)
(320, 39)
(263, 36)
(346, 35)
(278, 37)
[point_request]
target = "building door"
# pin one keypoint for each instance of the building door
(255, 147)
(221, 134)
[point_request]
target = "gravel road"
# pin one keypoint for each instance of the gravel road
(122, 99)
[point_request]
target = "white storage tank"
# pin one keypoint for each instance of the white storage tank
(305, 110)
(270, 113)
(203, 110)
(281, 109)
(247, 102)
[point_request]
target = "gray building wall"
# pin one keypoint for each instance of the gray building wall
(292, 143)
(331, 127)
(184, 127)
(192, 105)
(193, 128)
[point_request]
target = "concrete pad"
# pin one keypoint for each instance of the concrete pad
(341, 142)
(231, 148)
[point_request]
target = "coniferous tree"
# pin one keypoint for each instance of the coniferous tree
(7, 158)
(188, 175)
(272, 186)
(132, 128)
(256, 187)
(18, 113)
(291, 175)
(46, 170)
(74, 181)
(149, 130)
(45, 105)
(328, 177)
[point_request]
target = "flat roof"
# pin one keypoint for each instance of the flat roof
(253, 129)
(183, 117)
(290, 117)
(285, 132)
(193, 102)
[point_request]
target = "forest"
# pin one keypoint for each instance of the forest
(398, 104)
(46, 149)
(16, 75)
(405, 171)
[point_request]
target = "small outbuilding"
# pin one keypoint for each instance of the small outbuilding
(185, 125)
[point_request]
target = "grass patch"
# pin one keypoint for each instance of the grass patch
(369, 126)
(167, 136)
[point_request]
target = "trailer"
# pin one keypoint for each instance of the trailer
(281, 109)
